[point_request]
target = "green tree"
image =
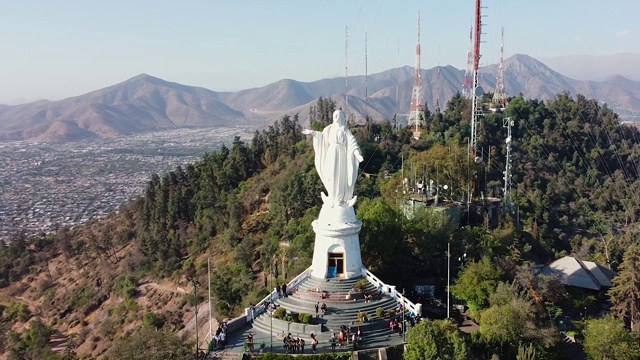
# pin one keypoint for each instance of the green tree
(476, 283)
(608, 339)
(229, 285)
(150, 344)
(625, 293)
(381, 234)
(34, 343)
(17, 312)
(512, 319)
(436, 340)
(152, 320)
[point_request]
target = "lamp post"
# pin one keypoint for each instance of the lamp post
(461, 261)
(195, 284)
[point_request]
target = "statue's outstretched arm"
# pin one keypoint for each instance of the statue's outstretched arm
(309, 132)
(357, 154)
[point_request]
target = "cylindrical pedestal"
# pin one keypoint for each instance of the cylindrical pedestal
(337, 232)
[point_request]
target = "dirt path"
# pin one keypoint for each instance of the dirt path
(58, 342)
(162, 287)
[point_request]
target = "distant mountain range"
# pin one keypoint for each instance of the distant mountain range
(596, 67)
(145, 103)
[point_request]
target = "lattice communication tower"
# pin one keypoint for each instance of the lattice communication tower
(415, 115)
(499, 100)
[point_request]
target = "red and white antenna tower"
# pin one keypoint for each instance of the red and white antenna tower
(499, 96)
(467, 82)
(415, 118)
(477, 90)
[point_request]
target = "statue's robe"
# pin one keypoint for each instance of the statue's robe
(336, 162)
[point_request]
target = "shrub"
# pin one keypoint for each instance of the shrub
(361, 285)
(83, 299)
(305, 318)
(126, 286)
(150, 319)
(17, 312)
(363, 317)
(288, 318)
(280, 313)
(380, 312)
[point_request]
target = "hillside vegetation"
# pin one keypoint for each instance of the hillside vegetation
(249, 206)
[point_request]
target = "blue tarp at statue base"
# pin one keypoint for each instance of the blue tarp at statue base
(332, 272)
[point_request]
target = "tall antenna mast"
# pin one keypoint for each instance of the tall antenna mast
(438, 83)
(397, 61)
(468, 74)
(477, 90)
(499, 97)
(366, 68)
(508, 123)
(346, 71)
(416, 96)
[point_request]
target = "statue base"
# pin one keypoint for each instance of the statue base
(336, 251)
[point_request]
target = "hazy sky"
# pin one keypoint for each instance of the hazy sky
(59, 48)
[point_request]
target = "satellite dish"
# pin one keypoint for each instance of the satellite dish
(479, 91)
(508, 141)
(478, 159)
(445, 187)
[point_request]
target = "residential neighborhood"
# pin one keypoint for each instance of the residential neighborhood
(44, 186)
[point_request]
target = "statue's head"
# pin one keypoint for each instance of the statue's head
(338, 118)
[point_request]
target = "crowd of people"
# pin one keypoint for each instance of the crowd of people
(219, 340)
(293, 345)
(281, 291)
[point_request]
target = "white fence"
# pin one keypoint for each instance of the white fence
(391, 290)
(261, 306)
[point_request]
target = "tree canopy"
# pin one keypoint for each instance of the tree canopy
(437, 340)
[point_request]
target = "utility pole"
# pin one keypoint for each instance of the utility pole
(272, 310)
(210, 316)
(195, 284)
(448, 277)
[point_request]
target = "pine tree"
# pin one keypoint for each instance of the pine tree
(625, 294)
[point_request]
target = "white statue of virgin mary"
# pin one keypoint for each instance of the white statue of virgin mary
(337, 160)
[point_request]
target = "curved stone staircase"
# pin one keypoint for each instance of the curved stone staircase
(340, 311)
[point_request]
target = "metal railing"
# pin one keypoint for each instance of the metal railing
(391, 291)
(261, 306)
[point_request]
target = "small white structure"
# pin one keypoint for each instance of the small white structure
(337, 247)
(578, 273)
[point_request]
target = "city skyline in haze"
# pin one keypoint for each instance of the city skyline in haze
(54, 50)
